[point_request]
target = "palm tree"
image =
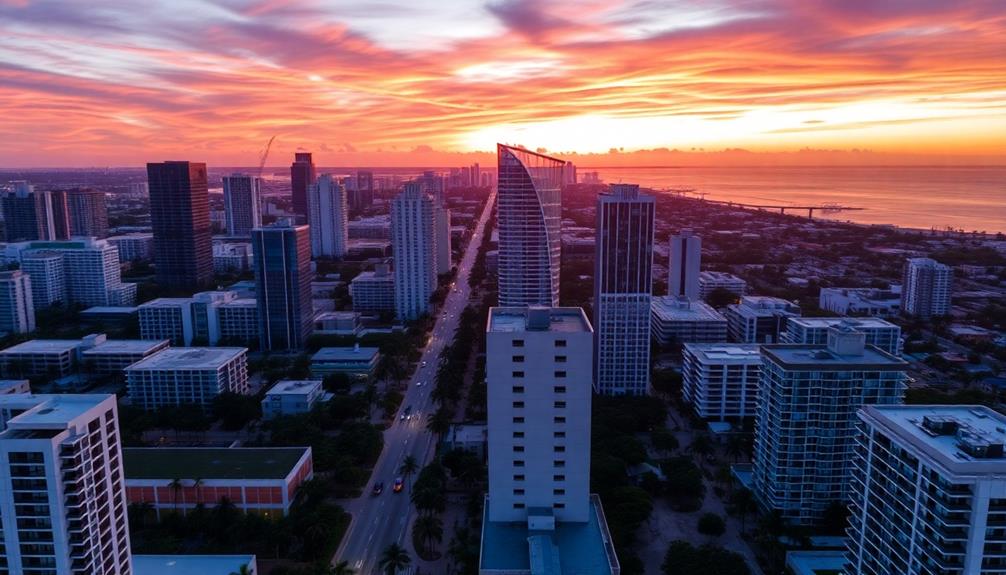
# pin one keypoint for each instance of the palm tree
(744, 504)
(736, 447)
(429, 529)
(408, 467)
(197, 483)
(439, 423)
(244, 570)
(394, 558)
(176, 488)
(701, 445)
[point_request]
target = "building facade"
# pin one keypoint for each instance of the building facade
(180, 217)
(529, 210)
(685, 262)
(721, 380)
(242, 203)
(292, 397)
(17, 307)
(806, 418)
(373, 291)
(759, 319)
(814, 331)
(442, 223)
(623, 284)
(283, 274)
(925, 288)
(680, 320)
(329, 217)
(187, 376)
(62, 506)
(928, 494)
(29, 214)
(48, 276)
(861, 301)
(134, 247)
(413, 237)
(88, 212)
(711, 281)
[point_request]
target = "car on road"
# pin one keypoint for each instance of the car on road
(399, 484)
(423, 363)
(420, 383)
(378, 488)
(406, 413)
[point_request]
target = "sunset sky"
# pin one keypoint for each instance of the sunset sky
(122, 82)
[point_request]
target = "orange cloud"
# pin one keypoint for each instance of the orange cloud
(202, 80)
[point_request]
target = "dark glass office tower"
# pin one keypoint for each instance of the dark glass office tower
(88, 213)
(180, 216)
(282, 258)
(302, 175)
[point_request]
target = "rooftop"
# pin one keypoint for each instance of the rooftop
(798, 355)
(970, 423)
(572, 549)
(559, 319)
(669, 308)
(167, 302)
(190, 564)
(102, 309)
(189, 358)
(44, 346)
(725, 352)
(812, 562)
(345, 353)
(210, 462)
(129, 346)
(49, 411)
(854, 322)
(294, 386)
(718, 276)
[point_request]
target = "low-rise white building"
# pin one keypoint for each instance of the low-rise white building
(195, 375)
(684, 321)
(814, 331)
(861, 301)
(373, 291)
(207, 317)
(709, 281)
(58, 358)
(337, 323)
(354, 361)
(136, 246)
(293, 397)
(759, 319)
(721, 380)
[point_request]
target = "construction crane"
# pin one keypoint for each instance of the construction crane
(262, 160)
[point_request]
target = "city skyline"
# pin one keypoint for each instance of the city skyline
(908, 82)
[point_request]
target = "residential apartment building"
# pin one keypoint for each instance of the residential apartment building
(134, 247)
(623, 284)
(928, 494)
(17, 307)
(805, 424)
(925, 288)
(302, 175)
(861, 301)
(720, 380)
(208, 318)
(293, 397)
(679, 320)
(529, 210)
(47, 272)
(93, 354)
(242, 203)
(329, 217)
(62, 506)
(759, 319)
(373, 291)
(82, 270)
(87, 212)
(711, 281)
(189, 375)
(814, 330)
(413, 237)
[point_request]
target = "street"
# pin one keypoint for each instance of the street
(378, 521)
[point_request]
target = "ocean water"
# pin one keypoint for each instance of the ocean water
(969, 198)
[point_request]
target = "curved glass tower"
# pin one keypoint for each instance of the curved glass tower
(530, 216)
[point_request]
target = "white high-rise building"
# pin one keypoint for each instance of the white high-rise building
(242, 203)
(442, 217)
(329, 217)
(48, 277)
(413, 239)
(686, 258)
(62, 501)
(928, 491)
(81, 270)
(814, 330)
(925, 289)
(17, 308)
(539, 387)
(721, 380)
(529, 208)
(623, 286)
(134, 247)
(806, 418)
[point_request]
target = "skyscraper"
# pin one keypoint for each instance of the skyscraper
(329, 217)
(302, 175)
(17, 309)
(539, 387)
(806, 417)
(59, 218)
(363, 195)
(414, 242)
(686, 258)
(242, 203)
(29, 215)
(925, 288)
(88, 212)
(928, 491)
(529, 206)
(62, 499)
(442, 222)
(282, 254)
(623, 285)
(180, 217)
